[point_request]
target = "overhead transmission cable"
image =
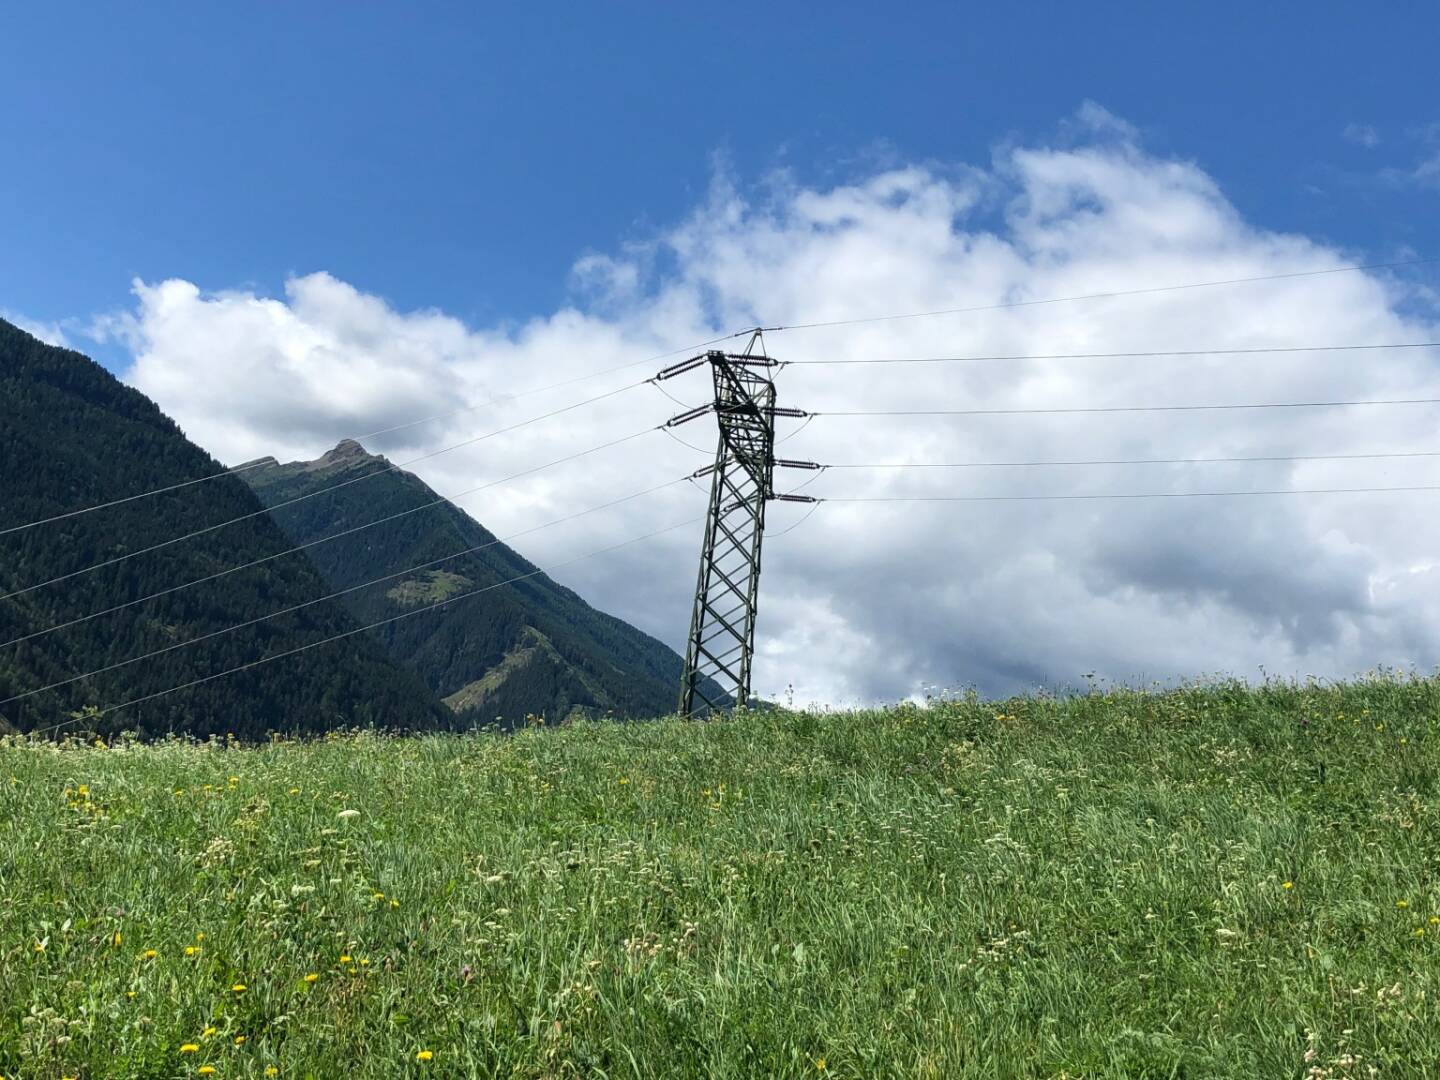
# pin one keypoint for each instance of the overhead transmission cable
(795, 525)
(371, 434)
(341, 592)
(321, 491)
(1123, 495)
(1134, 461)
(1103, 295)
(1259, 350)
(1124, 408)
(442, 500)
(688, 445)
(362, 629)
(741, 333)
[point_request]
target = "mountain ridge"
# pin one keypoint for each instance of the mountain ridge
(73, 435)
(577, 660)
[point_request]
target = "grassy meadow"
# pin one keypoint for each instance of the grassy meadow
(1210, 882)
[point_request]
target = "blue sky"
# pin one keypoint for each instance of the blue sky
(463, 156)
(292, 223)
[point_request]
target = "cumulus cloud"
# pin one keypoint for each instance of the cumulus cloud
(876, 601)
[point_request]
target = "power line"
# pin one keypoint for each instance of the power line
(1112, 355)
(661, 387)
(1125, 495)
(803, 518)
(369, 626)
(1135, 461)
(319, 491)
(338, 593)
(1123, 409)
(791, 326)
(132, 498)
(442, 500)
(371, 434)
(1103, 295)
(790, 435)
(688, 445)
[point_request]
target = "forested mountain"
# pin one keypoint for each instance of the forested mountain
(71, 436)
(530, 647)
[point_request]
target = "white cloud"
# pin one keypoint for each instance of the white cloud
(864, 601)
(48, 332)
(1427, 173)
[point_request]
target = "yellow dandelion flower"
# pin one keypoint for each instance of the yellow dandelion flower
(345, 958)
(149, 954)
(1435, 919)
(115, 941)
(1402, 903)
(271, 1070)
(425, 1055)
(1287, 885)
(200, 936)
(239, 1040)
(205, 1070)
(312, 977)
(364, 962)
(207, 1032)
(83, 790)
(191, 950)
(190, 1048)
(394, 903)
(820, 1064)
(129, 996)
(239, 988)
(1420, 931)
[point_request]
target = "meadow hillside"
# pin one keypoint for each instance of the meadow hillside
(1209, 882)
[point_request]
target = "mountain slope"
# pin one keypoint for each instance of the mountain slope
(531, 647)
(71, 435)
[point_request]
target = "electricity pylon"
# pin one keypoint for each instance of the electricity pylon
(721, 646)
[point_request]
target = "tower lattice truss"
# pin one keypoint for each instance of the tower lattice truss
(722, 626)
(721, 645)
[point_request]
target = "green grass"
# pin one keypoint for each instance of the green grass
(1212, 882)
(430, 588)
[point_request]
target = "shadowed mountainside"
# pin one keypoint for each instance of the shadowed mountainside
(522, 648)
(72, 436)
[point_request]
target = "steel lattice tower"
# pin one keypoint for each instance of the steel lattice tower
(721, 645)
